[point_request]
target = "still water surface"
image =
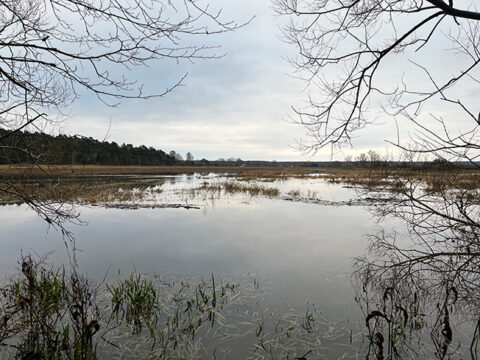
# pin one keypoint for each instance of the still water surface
(300, 252)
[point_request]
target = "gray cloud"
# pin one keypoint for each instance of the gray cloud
(235, 106)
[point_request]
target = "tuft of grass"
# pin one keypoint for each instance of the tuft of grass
(48, 315)
(234, 187)
(294, 193)
(134, 299)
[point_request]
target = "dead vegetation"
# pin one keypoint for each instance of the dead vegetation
(376, 176)
(98, 190)
(434, 180)
(126, 193)
(233, 187)
(65, 170)
(83, 192)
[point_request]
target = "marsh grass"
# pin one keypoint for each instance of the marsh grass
(295, 193)
(235, 187)
(88, 192)
(52, 314)
(135, 300)
(434, 180)
(177, 315)
(253, 182)
(68, 170)
(47, 315)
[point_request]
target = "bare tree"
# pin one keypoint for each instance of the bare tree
(427, 272)
(349, 51)
(368, 59)
(362, 159)
(53, 50)
(374, 157)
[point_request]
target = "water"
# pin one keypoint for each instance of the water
(304, 247)
(298, 251)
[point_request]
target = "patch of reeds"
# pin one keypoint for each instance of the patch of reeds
(135, 300)
(47, 315)
(295, 193)
(234, 187)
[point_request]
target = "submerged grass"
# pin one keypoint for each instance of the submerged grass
(52, 314)
(135, 300)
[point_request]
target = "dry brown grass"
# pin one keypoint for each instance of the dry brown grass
(435, 180)
(78, 192)
(107, 190)
(59, 170)
(233, 187)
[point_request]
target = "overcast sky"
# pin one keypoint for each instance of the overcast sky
(236, 106)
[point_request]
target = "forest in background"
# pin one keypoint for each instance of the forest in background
(18, 148)
(23, 147)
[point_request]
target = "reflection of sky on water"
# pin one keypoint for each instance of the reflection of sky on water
(303, 250)
(299, 252)
(168, 189)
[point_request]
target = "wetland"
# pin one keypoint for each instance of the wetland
(258, 264)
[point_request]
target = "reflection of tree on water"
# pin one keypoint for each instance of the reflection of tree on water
(426, 280)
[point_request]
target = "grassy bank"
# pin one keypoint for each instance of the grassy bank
(241, 171)
(59, 170)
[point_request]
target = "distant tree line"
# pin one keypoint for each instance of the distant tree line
(25, 147)
(373, 159)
